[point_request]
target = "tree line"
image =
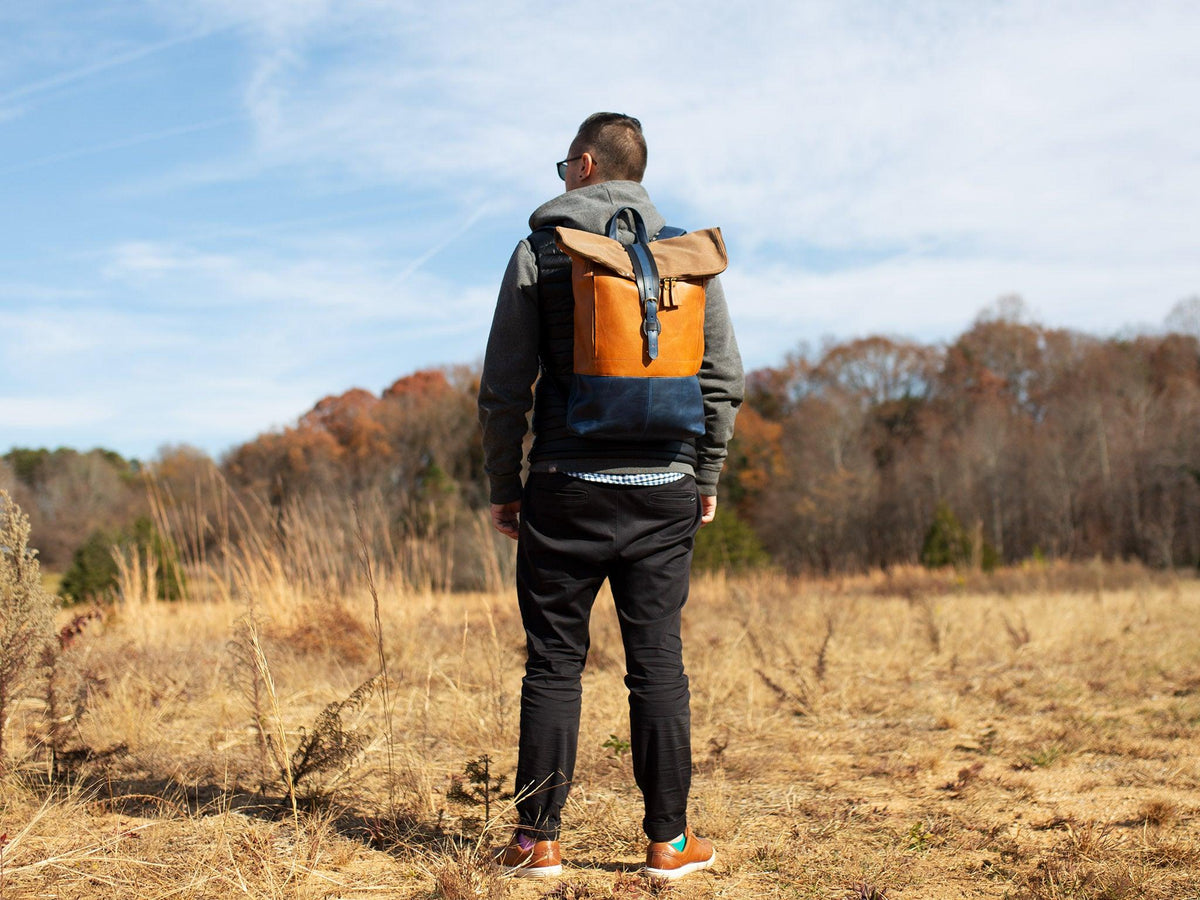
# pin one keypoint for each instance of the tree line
(1039, 441)
(1012, 441)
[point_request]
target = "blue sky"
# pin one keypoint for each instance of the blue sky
(218, 211)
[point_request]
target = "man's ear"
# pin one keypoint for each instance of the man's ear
(587, 166)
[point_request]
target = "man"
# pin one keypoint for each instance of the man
(595, 509)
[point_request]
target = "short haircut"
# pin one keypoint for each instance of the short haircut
(616, 143)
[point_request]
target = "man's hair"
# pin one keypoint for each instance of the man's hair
(616, 143)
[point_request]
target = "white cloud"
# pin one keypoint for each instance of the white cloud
(210, 348)
(115, 58)
(343, 278)
(876, 167)
(1051, 131)
(40, 340)
(122, 144)
(27, 292)
(25, 412)
(932, 300)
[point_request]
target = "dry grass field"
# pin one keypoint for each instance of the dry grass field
(1027, 735)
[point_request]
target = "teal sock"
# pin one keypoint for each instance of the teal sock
(679, 843)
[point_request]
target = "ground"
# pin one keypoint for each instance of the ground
(1026, 735)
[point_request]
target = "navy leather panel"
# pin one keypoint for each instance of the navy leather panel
(611, 408)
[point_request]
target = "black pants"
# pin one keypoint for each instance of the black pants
(574, 534)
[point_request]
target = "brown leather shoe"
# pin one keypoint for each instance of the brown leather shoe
(542, 860)
(664, 861)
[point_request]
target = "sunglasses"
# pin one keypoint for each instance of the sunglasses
(562, 166)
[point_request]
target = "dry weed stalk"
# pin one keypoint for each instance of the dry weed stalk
(1018, 634)
(66, 691)
(800, 699)
(26, 610)
(467, 871)
(331, 746)
(801, 696)
(385, 686)
(464, 874)
(494, 579)
(137, 578)
(248, 679)
(928, 617)
(822, 652)
(277, 742)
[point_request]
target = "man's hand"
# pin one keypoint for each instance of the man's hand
(708, 509)
(507, 517)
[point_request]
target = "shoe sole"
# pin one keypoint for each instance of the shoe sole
(686, 869)
(534, 871)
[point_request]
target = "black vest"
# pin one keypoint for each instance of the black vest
(552, 440)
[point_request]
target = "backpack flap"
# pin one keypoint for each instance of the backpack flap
(596, 248)
(696, 255)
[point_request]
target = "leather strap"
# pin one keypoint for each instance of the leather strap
(645, 275)
(645, 271)
(639, 227)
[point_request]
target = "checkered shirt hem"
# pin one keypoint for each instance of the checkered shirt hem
(644, 479)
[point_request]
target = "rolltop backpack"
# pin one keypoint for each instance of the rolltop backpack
(639, 330)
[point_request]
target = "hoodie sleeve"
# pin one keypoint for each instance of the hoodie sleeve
(722, 385)
(510, 367)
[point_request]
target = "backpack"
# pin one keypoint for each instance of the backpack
(639, 330)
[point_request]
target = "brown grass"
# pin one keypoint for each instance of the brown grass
(935, 741)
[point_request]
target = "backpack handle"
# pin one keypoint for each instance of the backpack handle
(639, 227)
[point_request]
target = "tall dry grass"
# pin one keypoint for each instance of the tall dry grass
(230, 543)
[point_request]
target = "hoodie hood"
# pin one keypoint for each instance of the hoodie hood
(590, 207)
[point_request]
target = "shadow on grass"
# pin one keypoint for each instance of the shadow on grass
(165, 797)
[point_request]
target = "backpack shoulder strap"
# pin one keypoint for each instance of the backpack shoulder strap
(540, 239)
(668, 231)
(639, 229)
(545, 249)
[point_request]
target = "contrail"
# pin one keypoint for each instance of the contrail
(62, 78)
(437, 248)
(283, 225)
(121, 144)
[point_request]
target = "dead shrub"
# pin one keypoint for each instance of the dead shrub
(26, 611)
(865, 891)
(1066, 879)
(329, 628)
(1158, 812)
(571, 890)
(966, 776)
(463, 873)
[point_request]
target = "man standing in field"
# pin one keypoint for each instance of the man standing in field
(593, 509)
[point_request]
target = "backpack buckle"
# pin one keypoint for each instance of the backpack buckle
(651, 327)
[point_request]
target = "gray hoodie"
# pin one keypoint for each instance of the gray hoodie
(511, 364)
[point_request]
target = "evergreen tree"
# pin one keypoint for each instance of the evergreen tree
(946, 542)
